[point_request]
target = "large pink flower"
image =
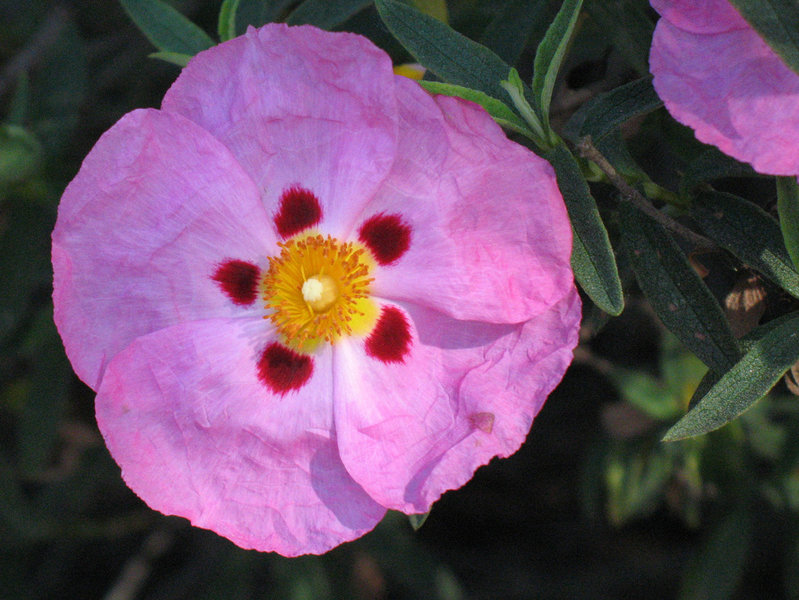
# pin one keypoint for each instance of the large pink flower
(306, 291)
(716, 75)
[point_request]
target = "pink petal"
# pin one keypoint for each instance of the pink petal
(731, 88)
(466, 392)
(490, 239)
(298, 106)
(141, 230)
(703, 16)
(199, 436)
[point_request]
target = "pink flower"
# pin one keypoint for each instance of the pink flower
(306, 291)
(716, 75)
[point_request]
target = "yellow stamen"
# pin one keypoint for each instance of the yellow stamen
(318, 290)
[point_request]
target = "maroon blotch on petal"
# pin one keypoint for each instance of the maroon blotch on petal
(390, 340)
(239, 280)
(299, 209)
(281, 369)
(386, 236)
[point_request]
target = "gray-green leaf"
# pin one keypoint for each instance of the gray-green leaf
(592, 255)
(749, 233)
(166, 28)
(744, 384)
(550, 54)
(450, 55)
(678, 295)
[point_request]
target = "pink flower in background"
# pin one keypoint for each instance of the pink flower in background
(716, 75)
(307, 292)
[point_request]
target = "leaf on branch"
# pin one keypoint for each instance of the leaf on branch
(592, 255)
(745, 383)
(166, 28)
(749, 233)
(678, 295)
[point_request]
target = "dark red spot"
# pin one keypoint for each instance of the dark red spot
(239, 280)
(391, 339)
(299, 209)
(386, 236)
(282, 369)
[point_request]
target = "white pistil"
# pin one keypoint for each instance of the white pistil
(312, 290)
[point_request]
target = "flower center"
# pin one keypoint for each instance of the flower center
(318, 290)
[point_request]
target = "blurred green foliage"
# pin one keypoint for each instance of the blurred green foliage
(595, 505)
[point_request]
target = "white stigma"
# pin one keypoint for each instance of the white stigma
(312, 290)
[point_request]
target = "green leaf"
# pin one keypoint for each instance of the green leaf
(714, 573)
(514, 24)
(607, 112)
(174, 58)
(435, 8)
(678, 295)
(46, 402)
(514, 86)
(18, 107)
(260, 12)
(777, 22)
(450, 55)
(324, 13)
(634, 481)
(592, 255)
(749, 233)
(788, 209)
(602, 116)
(20, 154)
(226, 26)
(550, 54)
(417, 520)
(24, 260)
(711, 165)
(744, 384)
(500, 111)
(58, 89)
(166, 28)
(629, 26)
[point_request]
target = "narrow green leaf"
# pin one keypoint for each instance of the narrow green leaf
(500, 111)
(606, 112)
(744, 384)
(417, 520)
(43, 410)
(551, 52)
(450, 55)
(514, 86)
(749, 233)
(714, 573)
(435, 8)
(629, 26)
(260, 12)
(174, 58)
(777, 22)
(19, 106)
(592, 255)
(514, 24)
(227, 20)
(788, 209)
(166, 28)
(602, 116)
(711, 165)
(20, 154)
(678, 295)
(324, 13)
